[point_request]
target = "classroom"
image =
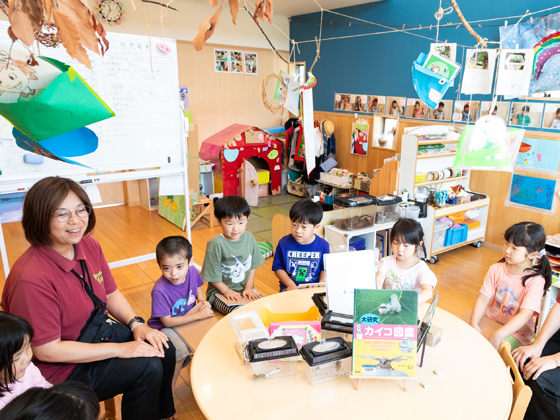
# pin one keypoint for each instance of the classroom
(204, 264)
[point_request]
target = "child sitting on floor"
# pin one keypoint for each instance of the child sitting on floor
(175, 294)
(17, 371)
(404, 270)
(513, 288)
(299, 256)
(231, 260)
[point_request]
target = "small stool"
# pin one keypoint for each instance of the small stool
(207, 209)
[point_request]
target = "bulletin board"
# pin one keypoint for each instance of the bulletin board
(143, 91)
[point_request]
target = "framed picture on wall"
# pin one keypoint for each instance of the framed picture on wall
(358, 103)
(526, 114)
(415, 108)
(251, 63)
(443, 112)
(342, 102)
(359, 138)
(501, 109)
(395, 106)
(375, 104)
(221, 61)
(466, 111)
(551, 116)
(236, 62)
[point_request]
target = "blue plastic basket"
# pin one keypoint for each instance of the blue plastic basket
(456, 236)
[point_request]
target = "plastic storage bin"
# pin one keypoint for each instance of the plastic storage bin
(362, 212)
(413, 212)
(438, 240)
(455, 236)
(387, 208)
(270, 358)
(325, 359)
(248, 326)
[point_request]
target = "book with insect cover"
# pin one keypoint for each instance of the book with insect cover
(385, 333)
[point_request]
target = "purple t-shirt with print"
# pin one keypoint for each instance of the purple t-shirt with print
(174, 300)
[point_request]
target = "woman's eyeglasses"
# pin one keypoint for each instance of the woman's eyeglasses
(65, 215)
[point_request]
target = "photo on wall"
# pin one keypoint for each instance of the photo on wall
(443, 112)
(236, 62)
(551, 116)
(376, 104)
(251, 63)
(415, 108)
(221, 61)
(341, 102)
(360, 137)
(526, 114)
(444, 49)
(465, 111)
(358, 103)
(396, 106)
(501, 109)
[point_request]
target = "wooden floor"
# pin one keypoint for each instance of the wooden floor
(126, 232)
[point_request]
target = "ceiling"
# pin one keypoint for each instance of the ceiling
(300, 7)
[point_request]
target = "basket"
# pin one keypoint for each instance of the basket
(361, 184)
(296, 188)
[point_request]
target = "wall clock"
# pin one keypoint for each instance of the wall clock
(110, 11)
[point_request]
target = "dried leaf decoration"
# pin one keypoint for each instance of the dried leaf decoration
(259, 10)
(234, 10)
(213, 3)
(76, 24)
(204, 32)
(268, 11)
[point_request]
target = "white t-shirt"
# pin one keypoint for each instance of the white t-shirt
(410, 279)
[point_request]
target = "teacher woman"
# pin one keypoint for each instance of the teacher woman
(47, 287)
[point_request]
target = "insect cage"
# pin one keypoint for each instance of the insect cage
(325, 359)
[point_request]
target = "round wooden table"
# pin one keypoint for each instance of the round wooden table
(475, 383)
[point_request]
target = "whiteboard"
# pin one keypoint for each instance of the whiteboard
(147, 130)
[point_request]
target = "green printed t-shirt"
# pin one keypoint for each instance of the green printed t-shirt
(230, 262)
(523, 119)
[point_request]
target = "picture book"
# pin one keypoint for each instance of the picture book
(385, 333)
(240, 302)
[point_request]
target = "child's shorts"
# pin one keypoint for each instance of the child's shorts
(182, 348)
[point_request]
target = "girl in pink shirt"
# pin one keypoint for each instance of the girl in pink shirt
(17, 373)
(513, 287)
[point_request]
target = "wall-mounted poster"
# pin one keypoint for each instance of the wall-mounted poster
(551, 116)
(341, 102)
(465, 111)
(221, 61)
(501, 109)
(539, 155)
(526, 114)
(358, 103)
(478, 74)
(396, 106)
(532, 193)
(443, 112)
(415, 108)
(376, 104)
(360, 137)
(236, 62)
(251, 63)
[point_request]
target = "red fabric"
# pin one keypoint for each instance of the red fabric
(42, 289)
(359, 144)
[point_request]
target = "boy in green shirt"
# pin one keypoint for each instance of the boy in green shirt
(523, 116)
(232, 258)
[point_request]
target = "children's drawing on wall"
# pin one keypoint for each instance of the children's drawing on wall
(466, 111)
(501, 109)
(415, 108)
(526, 115)
(360, 135)
(539, 155)
(236, 62)
(358, 103)
(479, 71)
(514, 73)
(536, 194)
(341, 102)
(376, 104)
(251, 63)
(221, 61)
(551, 116)
(443, 111)
(396, 106)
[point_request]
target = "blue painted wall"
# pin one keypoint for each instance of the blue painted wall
(382, 64)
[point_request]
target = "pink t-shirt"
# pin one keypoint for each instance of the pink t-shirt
(507, 296)
(31, 379)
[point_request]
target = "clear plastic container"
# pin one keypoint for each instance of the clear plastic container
(326, 372)
(361, 214)
(413, 212)
(248, 326)
(273, 357)
(325, 359)
(439, 235)
(387, 208)
(332, 334)
(273, 368)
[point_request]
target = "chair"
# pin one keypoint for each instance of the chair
(521, 392)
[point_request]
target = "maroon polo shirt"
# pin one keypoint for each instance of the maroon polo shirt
(42, 289)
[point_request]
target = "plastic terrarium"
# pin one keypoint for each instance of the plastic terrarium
(325, 359)
(272, 357)
(361, 214)
(387, 210)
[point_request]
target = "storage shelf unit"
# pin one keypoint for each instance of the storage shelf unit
(440, 181)
(436, 155)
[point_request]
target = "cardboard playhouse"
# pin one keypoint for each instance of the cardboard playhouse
(228, 150)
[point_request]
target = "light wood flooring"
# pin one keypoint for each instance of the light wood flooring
(125, 232)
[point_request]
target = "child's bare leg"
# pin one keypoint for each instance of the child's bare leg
(178, 367)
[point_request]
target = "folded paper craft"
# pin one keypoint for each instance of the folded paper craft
(429, 85)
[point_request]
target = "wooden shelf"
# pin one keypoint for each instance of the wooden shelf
(440, 181)
(435, 156)
(423, 143)
(460, 244)
(456, 208)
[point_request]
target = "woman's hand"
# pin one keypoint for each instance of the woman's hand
(156, 338)
(522, 355)
(133, 349)
(540, 365)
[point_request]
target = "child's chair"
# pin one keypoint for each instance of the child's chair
(110, 410)
(521, 392)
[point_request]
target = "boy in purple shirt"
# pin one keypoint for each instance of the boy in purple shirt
(175, 294)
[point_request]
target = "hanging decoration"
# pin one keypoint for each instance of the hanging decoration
(432, 75)
(274, 108)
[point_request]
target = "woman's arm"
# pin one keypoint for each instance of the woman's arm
(513, 325)
(478, 311)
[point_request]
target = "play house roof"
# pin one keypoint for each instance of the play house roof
(232, 137)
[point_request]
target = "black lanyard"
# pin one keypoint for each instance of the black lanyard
(98, 303)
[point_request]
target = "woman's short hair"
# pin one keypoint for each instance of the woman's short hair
(41, 202)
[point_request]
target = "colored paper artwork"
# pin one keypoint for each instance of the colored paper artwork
(360, 135)
(303, 332)
(385, 333)
(542, 37)
(11, 207)
(533, 193)
(539, 155)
